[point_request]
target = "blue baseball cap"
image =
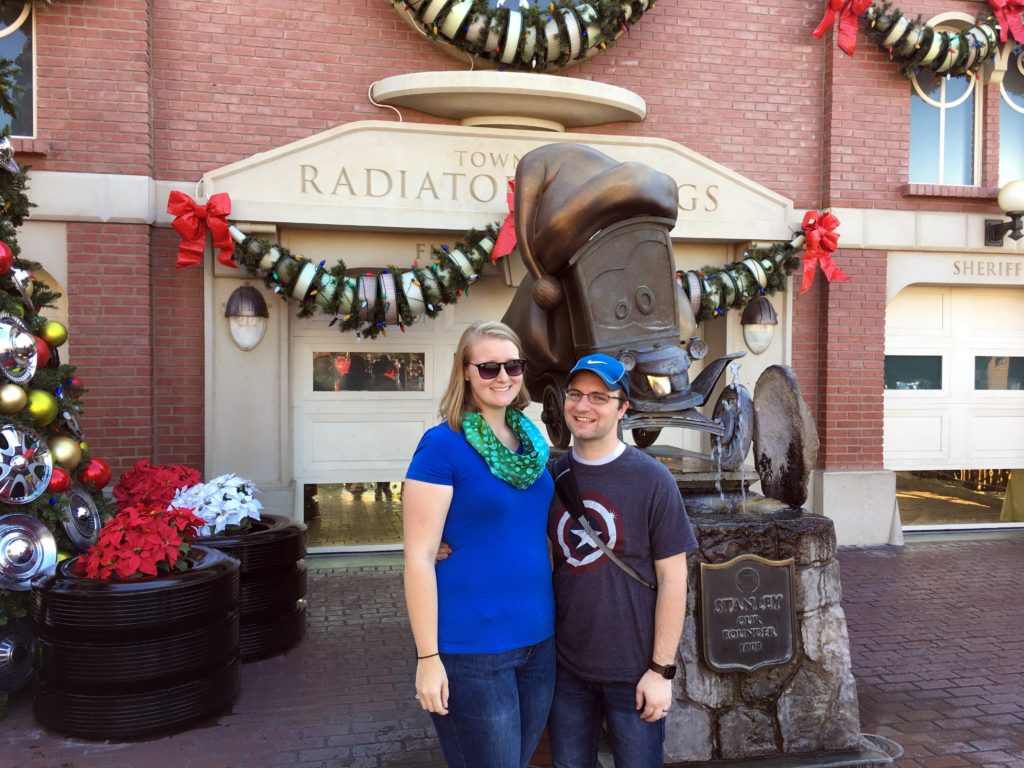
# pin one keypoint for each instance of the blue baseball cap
(612, 372)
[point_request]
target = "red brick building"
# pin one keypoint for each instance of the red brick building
(132, 99)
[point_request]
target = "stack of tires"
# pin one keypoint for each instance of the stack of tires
(272, 595)
(123, 660)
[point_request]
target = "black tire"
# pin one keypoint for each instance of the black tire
(125, 659)
(553, 416)
(645, 438)
(16, 655)
(272, 594)
(271, 542)
(65, 603)
(121, 716)
(267, 638)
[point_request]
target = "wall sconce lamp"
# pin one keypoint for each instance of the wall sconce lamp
(759, 320)
(247, 315)
(1011, 201)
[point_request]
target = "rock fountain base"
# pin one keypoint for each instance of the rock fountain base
(764, 660)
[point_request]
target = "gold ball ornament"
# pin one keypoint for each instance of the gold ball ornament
(65, 451)
(55, 333)
(62, 555)
(84, 446)
(12, 398)
(43, 406)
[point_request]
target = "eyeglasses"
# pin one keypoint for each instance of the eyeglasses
(490, 370)
(595, 398)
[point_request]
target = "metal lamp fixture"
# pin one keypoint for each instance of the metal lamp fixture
(759, 320)
(247, 315)
(1011, 201)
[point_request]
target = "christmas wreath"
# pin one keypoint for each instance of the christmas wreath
(916, 44)
(534, 35)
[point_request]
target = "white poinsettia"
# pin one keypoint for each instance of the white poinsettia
(228, 500)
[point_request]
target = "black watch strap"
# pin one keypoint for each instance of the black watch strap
(668, 671)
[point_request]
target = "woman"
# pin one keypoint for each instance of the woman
(483, 619)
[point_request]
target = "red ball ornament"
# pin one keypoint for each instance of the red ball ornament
(60, 480)
(95, 474)
(42, 352)
(6, 258)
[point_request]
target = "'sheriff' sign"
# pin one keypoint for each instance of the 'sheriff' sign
(747, 613)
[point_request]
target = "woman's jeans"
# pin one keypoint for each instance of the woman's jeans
(498, 705)
(579, 708)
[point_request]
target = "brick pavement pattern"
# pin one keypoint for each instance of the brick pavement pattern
(936, 634)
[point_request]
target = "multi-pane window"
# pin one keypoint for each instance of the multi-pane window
(1011, 120)
(16, 46)
(942, 136)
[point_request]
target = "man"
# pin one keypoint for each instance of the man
(617, 639)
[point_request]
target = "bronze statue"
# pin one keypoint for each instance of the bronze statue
(594, 234)
(565, 193)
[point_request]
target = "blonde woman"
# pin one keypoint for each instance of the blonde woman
(483, 619)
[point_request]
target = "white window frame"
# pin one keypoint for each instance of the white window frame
(1011, 61)
(955, 21)
(26, 12)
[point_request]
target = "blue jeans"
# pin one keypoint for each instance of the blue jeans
(498, 704)
(579, 708)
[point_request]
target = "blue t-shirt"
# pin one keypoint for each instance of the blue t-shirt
(494, 591)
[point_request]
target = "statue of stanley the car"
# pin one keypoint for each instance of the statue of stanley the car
(594, 235)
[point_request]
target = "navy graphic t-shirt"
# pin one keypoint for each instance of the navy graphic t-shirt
(604, 621)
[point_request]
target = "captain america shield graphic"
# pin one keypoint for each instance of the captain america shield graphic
(578, 549)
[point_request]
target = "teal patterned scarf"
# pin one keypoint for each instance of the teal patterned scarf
(519, 470)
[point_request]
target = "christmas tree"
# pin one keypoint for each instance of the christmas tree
(49, 482)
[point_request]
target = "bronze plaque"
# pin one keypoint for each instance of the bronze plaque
(747, 613)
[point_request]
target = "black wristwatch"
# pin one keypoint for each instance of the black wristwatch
(668, 671)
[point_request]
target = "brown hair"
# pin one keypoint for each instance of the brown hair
(457, 398)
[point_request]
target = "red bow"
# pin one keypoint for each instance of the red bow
(191, 222)
(506, 241)
(821, 240)
(1008, 14)
(847, 11)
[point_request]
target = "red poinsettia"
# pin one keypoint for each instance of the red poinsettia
(141, 541)
(153, 485)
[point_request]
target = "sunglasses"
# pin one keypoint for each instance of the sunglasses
(490, 370)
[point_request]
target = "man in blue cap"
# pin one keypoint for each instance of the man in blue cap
(617, 632)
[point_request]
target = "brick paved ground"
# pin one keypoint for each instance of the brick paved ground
(936, 629)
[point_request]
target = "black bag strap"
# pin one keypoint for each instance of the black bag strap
(569, 494)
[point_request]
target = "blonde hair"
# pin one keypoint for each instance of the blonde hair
(457, 397)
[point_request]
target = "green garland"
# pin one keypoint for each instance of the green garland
(763, 270)
(532, 38)
(345, 295)
(918, 46)
(359, 300)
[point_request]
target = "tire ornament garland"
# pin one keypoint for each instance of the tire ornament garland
(368, 301)
(918, 46)
(523, 36)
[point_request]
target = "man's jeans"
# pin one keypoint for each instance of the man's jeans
(577, 712)
(498, 704)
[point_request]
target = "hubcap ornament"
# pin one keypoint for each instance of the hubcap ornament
(25, 465)
(27, 549)
(81, 518)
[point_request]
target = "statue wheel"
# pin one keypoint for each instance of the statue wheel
(645, 438)
(734, 410)
(553, 416)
